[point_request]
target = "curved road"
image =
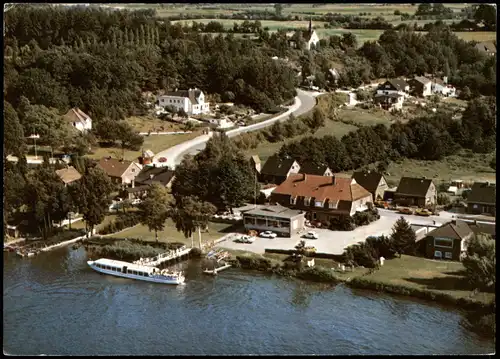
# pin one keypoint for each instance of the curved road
(304, 102)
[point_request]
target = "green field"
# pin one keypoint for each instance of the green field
(335, 128)
(170, 234)
(155, 143)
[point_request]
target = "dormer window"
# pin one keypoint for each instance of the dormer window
(307, 201)
(293, 200)
(318, 203)
(333, 204)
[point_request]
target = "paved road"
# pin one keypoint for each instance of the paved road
(304, 102)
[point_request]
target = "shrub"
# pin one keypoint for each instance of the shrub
(365, 217)
(318, 274)
(443, 199)
(342, 223)
(123, 220)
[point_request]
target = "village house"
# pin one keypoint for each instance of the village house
(192, 101)
(391, 94)
(276, 218)
(419, 192)
(68, 175)
(276, 169)
(373, 182)
(317, 170)
(310, 37)
(441, 87)
(482, 198)
(487, 47)
(148, 176)
(446, 242)
(121, 172)
(420, 86)
(321, 197)
(78, 119)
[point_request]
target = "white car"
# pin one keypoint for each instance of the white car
(268, 234)
(311, 235)
(247, 239)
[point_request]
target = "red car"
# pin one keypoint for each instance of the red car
(162, 159)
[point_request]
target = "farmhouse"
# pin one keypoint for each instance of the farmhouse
(276, 169)
(192, 101)
(415, 192)
(276, 218)
(121, 172)
(420, 86)
(394, 86)
(482, 198)
(159, 175)
(78, 119)
(373, 182)
(322, 197)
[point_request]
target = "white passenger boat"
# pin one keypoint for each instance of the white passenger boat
(136, 271)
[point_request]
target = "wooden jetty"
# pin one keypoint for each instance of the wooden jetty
(216, 270)
(164, 257)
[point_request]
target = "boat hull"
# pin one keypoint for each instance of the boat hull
(132, 276)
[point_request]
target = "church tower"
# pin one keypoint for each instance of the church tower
(310, 25)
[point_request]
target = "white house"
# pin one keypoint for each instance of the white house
(420, 86)
(394, 86)
(441, 87)
(192, 101)
(78, 119)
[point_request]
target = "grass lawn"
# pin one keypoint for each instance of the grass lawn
(335, 128)
(464, 165)
(477, 36)
(425, 274)
(170, 234)
(155, 143)
(81, 224)
(359, 116)
(146, 123)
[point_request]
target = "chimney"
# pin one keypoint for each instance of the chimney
(304, 177)
(333, 180)
(151, 176)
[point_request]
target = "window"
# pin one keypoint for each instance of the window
(133, 169)
(448, 255)
(333, 204)
(318, 204)
(443, 242)
(293, 200)
(307, 201)
(437, 254)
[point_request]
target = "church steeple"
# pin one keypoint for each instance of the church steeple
(310, 25)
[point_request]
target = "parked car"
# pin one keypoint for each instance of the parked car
(423, 212)
(268, 234)
(311, 235)
(405, 210)
(162, 159)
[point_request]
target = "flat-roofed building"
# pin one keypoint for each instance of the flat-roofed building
(281, 220)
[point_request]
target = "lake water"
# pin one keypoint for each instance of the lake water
(55, 304)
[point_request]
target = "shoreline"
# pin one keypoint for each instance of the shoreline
(356, 279)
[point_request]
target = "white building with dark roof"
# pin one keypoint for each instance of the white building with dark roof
(192, 101)
(78, 119)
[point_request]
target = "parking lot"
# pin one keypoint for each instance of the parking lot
(329, 241)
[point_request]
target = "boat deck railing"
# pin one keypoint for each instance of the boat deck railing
(163, 257)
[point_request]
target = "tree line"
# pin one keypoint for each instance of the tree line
(430, 137)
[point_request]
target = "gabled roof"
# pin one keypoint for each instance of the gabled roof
(453, 230)
(398, 84)
(416, 187)
(487, 46)
(312, 169)
(482, 192)
(114, 167)
(256, 159)
(148, 154)
(192, 94)
(76, 115)
(69, 174)
(276, 166)
(483, 228)
(322, 188)
(150, 175)
(368, 180)
(422, 80)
